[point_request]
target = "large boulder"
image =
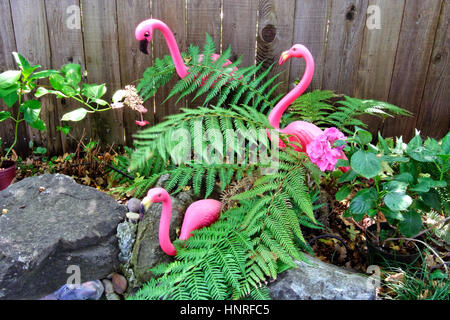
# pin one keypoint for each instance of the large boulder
(318, 280)
(50, 223)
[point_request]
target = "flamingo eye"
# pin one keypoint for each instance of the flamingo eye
(159, 195)
(147, 34)
(295, 49)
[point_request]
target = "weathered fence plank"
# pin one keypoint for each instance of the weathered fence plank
(311, 21)
(239, 25)
(275, 35)
(175, 17)
(378, 53)
(7, 45)
(102, 62)
(411, 63)
(133, 62)
(66, 44)
(31, 33)
(204, 16)
(347, 21)
(434, 115)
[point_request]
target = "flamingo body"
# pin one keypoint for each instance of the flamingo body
(198, 215)
(300, 131)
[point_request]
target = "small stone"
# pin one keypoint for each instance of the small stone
(133, 217)
(107, 284)
(120, 284)
(134, 205)
(112, 296)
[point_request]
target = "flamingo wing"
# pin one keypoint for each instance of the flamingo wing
(200, 214)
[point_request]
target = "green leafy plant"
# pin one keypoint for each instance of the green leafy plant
(250, 243)
(394, 181)
(15, 85)
(327, 109)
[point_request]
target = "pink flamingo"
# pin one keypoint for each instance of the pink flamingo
(198, 215)
(301, 132)
(144, 34)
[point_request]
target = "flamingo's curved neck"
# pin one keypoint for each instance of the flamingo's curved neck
(164, 227)
(280, 108)
(181, 68)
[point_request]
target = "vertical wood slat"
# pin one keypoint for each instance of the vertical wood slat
(175, 17)
(378, 55)
(347, 22)
(239, 29)
(411, 64)
(66, 43)
(7, 45)
(275, 35)
(31, 33)
(102, 63)
(133, 62)
(311, 20)
(203, 16)
(433, 118)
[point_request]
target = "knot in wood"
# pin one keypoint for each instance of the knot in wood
(269, 32)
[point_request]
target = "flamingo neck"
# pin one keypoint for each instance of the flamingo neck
(280, 108)
(164, 228)
(181, 68)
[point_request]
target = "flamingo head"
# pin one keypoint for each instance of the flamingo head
(144, 33)
(154, 195)
(297, 51)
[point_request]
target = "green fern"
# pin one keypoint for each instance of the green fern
(250, 243)
(321, 108)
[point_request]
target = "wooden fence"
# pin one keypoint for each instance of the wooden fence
(396, 51)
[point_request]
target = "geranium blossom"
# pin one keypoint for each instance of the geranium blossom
(321, 150)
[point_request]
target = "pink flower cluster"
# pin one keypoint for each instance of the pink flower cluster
(321, 150)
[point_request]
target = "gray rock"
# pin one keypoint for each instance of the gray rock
(133, 205)
(126, 234)
(147, 252)
(112, 296)
(53, 223)
(322, 281)
(107, 284)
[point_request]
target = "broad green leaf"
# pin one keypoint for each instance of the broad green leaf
(40, 151)
(9, 78)
(76, 115)
(68, 90)
(391, 216)
(446, 144)
(350, 175)
(30, 104)
(366, 164)
(365, 137)
(4, 115)
(343, 193)
(363, 201)
(43, 74)
(418, 152)
(405, 177)
(432, 200)
(383, 143)
(94, 91)
(396, 186)
(411, 224)
(41, 91)
(72, 73)
(21, 62)
(397, 201)
(11, 99)
(57, 81)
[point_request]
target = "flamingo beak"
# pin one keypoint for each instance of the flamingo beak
(145, 205)
(284, 57)
(144, 46)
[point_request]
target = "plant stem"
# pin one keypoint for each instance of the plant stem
(18, 121)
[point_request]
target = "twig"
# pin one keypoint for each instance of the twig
(330, 236)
